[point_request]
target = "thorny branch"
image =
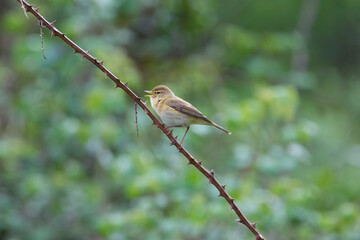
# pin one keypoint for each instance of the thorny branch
(208, 174)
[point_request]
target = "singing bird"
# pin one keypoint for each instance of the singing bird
(176, 112)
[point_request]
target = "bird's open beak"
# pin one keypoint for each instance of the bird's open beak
(148, 92)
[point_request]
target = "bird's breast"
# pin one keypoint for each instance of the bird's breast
(172, 117)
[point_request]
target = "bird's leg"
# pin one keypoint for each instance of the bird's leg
(184, 135)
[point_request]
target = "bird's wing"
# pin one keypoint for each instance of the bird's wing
(186, 108)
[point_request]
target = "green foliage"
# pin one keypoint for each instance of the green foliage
(71, 166)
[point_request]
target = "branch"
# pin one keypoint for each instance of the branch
(136, 122)
(24, 8)
(42, 40)
(173, 141)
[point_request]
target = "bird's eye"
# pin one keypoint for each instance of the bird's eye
(157, 92)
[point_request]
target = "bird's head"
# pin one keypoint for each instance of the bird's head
(159, 93)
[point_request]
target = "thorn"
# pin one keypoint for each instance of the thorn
(53, 33)
(220, 195)
(62, 34)
(189, 163)
(200, 162)
(75, 51)
(223, 186)
(169, 133)
(101, 62)
(212, 172)
(176, 137)
(87, 52)
(82, 56)
(210, 180)
(117, 86)
(239, 221)
(126, 83)
(52, 23)
(36, 9)
(232, 199)
(172, 143)
(180, 148)
(254, 224)
(106, 75)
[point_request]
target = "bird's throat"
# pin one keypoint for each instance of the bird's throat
(155, 103)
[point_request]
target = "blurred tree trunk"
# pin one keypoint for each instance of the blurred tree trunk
(307, 17)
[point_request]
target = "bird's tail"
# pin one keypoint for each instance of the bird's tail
(221, 128)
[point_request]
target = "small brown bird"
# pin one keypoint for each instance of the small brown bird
(176, 112)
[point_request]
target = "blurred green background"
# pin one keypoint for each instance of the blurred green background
(282, 75)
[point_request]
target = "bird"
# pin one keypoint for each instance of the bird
(176, 112)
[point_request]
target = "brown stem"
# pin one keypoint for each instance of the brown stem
(99, 64)
(42, 40)
(136, 122)
(24, 8)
